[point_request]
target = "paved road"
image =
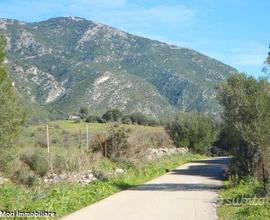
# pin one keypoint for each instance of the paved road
(186, 193)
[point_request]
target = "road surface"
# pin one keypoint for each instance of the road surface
(186, 193)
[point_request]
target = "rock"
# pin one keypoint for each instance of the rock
(3, 180)
(89, 175)
(63, 176)
(153, 153)
(182, 150)
(119, 171)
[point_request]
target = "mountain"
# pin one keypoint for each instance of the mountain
(63, 63)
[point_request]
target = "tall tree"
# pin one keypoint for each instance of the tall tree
(11, 117)
(246, 104)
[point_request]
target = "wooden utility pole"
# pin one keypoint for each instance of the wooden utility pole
(87, 137)
(48, 139)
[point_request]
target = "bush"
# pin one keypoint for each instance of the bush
(92, 119)
(8, 160)
(114, 143)
(59, 164)
(24, 176)
(84, 111)
(193, 130)
(152, 121)
(126, 119)
(37, 160)
(138, 118)
(112, 115)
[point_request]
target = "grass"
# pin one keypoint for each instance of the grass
(66, 198)
(74, 133)
(247, 209)
(71, 126)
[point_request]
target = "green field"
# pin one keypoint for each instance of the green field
(72, 132)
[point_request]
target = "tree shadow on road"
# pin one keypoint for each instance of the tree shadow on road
(211, 169)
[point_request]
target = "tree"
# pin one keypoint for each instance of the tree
(193, 130)
(126, 119)
(138, 118)
(84, 111)
(92, 119)
(112, 115)
(246, 104)
(11, 117)
(267, 63)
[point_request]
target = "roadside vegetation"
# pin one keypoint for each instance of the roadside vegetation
(243, 200)
(194, 130)
(65, 198)
(246, 135)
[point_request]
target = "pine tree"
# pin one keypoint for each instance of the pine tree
(11, 117)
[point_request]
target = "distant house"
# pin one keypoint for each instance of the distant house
(74, 117)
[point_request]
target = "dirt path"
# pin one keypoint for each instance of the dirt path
(186, 193)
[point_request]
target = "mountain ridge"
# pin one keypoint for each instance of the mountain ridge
(55, 64)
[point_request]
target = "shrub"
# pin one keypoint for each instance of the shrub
(59, 164)
(24, 176)
(37, 160)
(8, 160)
(112, 115)
(126, 119)
(142, 119)
(113, 143)
(152, 121)
(92, 119)
(138, 118)
(11, 117)
(84, 111)
(193, 130)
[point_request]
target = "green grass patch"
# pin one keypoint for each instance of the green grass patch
(68, 125)
(242, 202)
(66, 198)
(71, 134)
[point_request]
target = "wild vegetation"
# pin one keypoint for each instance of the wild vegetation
(115, 115)
(243, 200)
(195, 131)
(245, 135)
(66, 198)
(11, 117)
(246, 113)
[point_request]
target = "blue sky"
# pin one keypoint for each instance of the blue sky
(236, 32)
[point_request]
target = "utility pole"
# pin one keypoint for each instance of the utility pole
(87, 137)
(48, 139)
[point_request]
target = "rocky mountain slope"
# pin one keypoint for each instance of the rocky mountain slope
(63, 63)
